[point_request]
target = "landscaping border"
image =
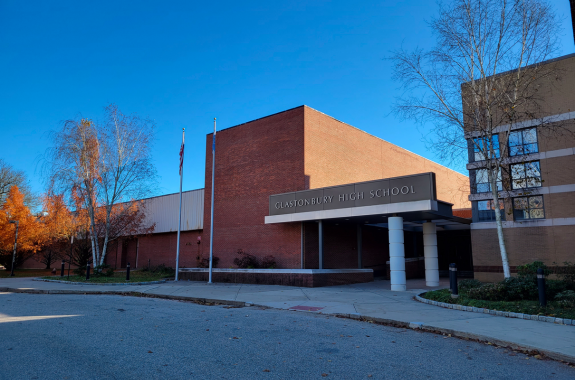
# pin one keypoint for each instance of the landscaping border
(499, 313)
(101, 283)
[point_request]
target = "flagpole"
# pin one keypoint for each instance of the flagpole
(180, 213)
(212, 212)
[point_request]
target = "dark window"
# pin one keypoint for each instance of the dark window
(523, 142)
(481, 147)
(525, 175)
(528, 208)
(482, 184)
(486, 210)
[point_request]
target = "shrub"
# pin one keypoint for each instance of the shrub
(245, 260)
(529, 271)
(510, 289)
(103, 270)
(161, 269)
(488, 292)
(268, 262)
(519, 288)
(554, 287)
(566, 298)
(465, 285)
(567, 274)
(205, 262)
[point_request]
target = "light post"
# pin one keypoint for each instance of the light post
(70, 259)
(15, 245)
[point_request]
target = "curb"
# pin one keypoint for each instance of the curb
(102, 283)
(356, 316)
(498, 313)
(128, 293)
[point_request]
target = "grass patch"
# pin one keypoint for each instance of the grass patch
(26, 273)
(117, 277)
(553, 309)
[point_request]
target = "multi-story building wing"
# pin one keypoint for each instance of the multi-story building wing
(536, 184)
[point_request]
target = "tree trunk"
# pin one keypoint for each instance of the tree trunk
(93, 237)
(48, 259)
(502, 248)
(105, 247)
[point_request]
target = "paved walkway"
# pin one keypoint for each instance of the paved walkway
(372, 301)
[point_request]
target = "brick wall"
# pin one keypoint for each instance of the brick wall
(337, 153)
(524, 245)
(158, 248)
(253, 161)
(294, 150)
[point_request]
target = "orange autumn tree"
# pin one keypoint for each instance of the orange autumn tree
(126, 219)
(30, 229)
(59, 226)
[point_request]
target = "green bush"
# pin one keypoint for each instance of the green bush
(103, 270)
(510, 289)
(161, 269)
(566, 298)
(567, 274)
(519, 288)
(465, 285)
(488, 292)
(554, 287)
(529, 271)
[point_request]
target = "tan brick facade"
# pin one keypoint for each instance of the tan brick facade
(552, 243)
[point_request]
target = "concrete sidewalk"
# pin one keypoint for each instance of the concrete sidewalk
(370, 301)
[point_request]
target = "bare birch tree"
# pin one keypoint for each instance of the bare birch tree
(127, 172)
(480, 80)
(105, 164)
(74, 167)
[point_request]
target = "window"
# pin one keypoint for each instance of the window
(486, 211)
(480, 145)
(525, 175)
(482, 184)
(523, 142)
(528, 208)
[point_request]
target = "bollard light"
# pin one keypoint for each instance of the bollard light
(88, 271)
(453, 280)
(128, 272)
(541, 287)
(62, 271)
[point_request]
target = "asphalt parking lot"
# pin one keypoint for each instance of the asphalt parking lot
(116, 337)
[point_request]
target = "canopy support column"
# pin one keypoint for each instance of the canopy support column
(320, 231)
(430, 254)
(396, 253)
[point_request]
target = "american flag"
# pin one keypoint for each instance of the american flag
(181, 157)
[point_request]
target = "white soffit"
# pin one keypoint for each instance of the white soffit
(390, 208)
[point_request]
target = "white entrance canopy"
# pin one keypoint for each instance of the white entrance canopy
(399, 203)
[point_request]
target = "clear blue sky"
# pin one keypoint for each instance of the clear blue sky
(182, 63)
